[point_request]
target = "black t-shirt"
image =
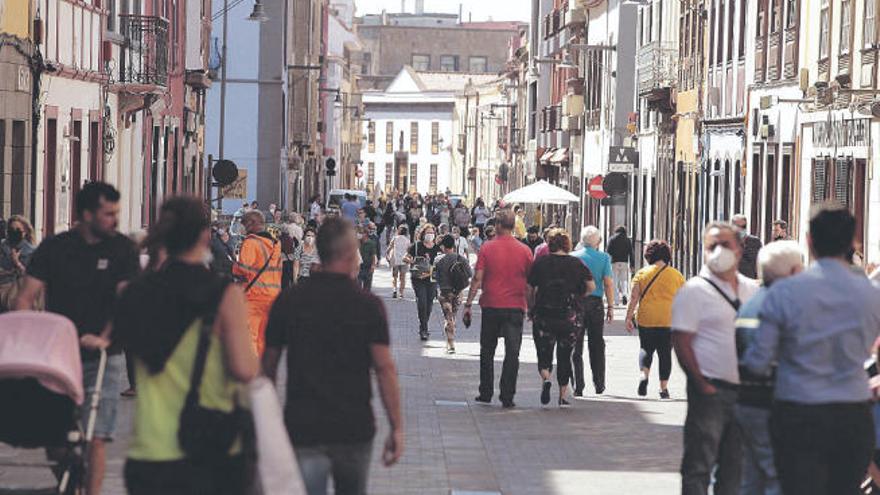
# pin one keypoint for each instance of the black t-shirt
(419, 249)
(556, 277)
(328, 357)
(82, 279)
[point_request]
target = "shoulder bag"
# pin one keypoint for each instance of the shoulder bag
(421, 266)
(734, 303)
(204, 433)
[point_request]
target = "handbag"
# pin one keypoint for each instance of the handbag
(421, 266)
(204, 433)
(277, 470)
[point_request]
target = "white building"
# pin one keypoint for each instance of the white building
(409, 132)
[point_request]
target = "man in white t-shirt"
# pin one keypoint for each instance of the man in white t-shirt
(704, 337)
(462, 246)
(315, 209)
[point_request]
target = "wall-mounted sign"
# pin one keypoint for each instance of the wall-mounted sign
(841, 133)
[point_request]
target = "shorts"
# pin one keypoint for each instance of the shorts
(396, 270)
(105, 421)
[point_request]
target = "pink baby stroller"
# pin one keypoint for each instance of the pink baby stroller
(41, 391)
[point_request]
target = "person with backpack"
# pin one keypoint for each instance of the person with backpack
(420, 257)
(650, 310)
(555, 282)
(453, 274)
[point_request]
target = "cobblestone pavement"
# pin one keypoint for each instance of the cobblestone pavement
(615, 443)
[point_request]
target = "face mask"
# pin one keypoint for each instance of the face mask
(429, 237)
(360, 236)
(310, 240)
(721, 260)
(14, 236)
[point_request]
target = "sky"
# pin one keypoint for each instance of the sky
(482, 10)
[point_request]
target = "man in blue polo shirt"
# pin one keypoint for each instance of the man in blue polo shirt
(593, 315)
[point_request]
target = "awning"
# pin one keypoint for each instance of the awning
(548, 155)
(561, 155)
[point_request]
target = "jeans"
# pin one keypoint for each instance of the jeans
(657, 340)
(507, 324)
(712, 443)
(620, 273)
(759, 469)
(105, 416)
(561, 334)
(365, 279)
(426, 291)
(594, 328)
(349, 464)
(822, 449)
(226, 476)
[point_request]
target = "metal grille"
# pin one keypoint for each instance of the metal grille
(145, 52)
(820, 177)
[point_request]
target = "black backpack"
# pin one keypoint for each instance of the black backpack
(459, 278)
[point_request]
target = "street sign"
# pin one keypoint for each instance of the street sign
(615, 183)
(237, 189)
(622, 159)
(595, 188)
(225, 172)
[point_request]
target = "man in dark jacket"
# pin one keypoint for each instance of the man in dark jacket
(748, 265)
(620, 249)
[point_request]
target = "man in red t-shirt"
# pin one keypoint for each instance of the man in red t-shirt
(502, 271)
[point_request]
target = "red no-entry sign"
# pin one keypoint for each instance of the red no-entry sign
(595, 189)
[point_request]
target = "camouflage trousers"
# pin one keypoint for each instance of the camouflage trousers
(449, 303)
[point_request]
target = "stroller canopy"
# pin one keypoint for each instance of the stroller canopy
(44, 346)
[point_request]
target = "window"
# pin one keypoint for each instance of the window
(435, 138)
(478, 64)
(868, 35)
(731, 23)
(389, 169)
(414, 176)
(449, 63)
(371, 137)
(414, 138)
(111, 15)
(845, 26)
(719, 43)
(776, 16)
(791, 13)
(433, 185)
(824, 30)
(371, 174)
(421, 62)
(389, 137)
(19, 159)
(94, 151)
(761, 31)
(366, 68)
(742, 32)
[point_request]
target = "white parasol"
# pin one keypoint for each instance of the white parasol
(541, 192)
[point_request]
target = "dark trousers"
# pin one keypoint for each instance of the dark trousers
(712, 443)
(286, 274)
(365, 278)
(507, 324)
(561, 334)
(822, 449)
(224, 477)
(659, 340)
(426, 291)
(593, 318)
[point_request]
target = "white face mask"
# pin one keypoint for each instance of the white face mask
(360, 236)
(429, 237)
(721, 260)
(310, 240)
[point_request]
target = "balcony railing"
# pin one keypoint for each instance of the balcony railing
(657, 67)
(144, 55)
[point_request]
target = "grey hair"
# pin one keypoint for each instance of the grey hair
(723, 226)
(778, 259)
(252, 215)
(591, 236)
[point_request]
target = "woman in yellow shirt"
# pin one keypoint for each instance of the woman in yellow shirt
(650, 309)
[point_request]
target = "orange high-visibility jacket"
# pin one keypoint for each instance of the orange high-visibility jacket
(254, 251)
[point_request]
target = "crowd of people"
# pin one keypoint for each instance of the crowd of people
(779, 399)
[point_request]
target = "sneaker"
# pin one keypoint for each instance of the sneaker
(643, 387)
(423, 336)
(545, 392)
(578, 393)
(483, 400)
(508, 404)
(450, 349)
(394, 295)
(664, 394)
(623, 300)
(600, 389)
(563, 403)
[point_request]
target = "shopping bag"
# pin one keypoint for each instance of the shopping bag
(277, 469)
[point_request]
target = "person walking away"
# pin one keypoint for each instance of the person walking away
(420, 257)
(555, 282)
(453, 273)
(461, 217)
(593, 316)
(519, 230)
(389, 218)
(396, 255)
(369, 259)
(330, 357)
(748, 265)
(259, 269)
(222, 256)
(481, 215)
(819, 327)
(349, 208)
(501, 273)
(305, 257)
(703, 336)
(776, 261)
(533, 238)
(780, 231)
(81, 273)
(622, 259)
(16, 250)
(650, 311)
(162, 319)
